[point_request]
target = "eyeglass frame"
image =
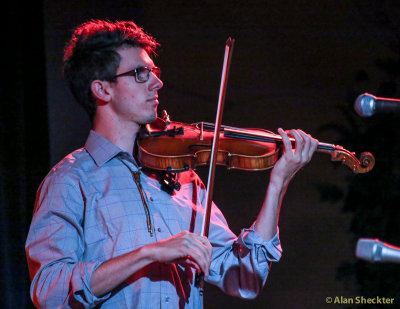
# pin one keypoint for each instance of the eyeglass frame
(135, 73)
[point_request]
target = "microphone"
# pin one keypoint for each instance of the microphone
(367, 105)
(374, 250)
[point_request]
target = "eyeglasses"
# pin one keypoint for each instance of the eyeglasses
(141, 74)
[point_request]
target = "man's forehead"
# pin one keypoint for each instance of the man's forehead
(135, 56)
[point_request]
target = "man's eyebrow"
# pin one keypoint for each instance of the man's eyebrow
(143, 64)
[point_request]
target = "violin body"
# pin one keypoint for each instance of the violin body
(174, 147)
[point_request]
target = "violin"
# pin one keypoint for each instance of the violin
(175, 147)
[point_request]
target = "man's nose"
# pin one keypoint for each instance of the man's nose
(156, 82)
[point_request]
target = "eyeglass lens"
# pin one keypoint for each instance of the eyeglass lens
(143, 74)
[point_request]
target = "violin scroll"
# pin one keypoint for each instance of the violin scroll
(364, 165)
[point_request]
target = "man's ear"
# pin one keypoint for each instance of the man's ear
(101, 90)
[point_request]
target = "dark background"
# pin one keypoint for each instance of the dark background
(296, 64)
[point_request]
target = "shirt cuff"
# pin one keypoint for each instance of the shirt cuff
(85, 294)
(270, 250)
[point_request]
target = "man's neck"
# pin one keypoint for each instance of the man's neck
(122, 135)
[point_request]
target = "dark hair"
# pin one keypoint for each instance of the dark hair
(91, 54)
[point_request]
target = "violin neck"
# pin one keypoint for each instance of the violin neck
(268, 137)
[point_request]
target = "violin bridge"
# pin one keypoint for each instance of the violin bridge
(166, 117)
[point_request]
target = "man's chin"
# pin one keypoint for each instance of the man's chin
(150, 119)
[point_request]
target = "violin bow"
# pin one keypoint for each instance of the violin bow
(199, 280)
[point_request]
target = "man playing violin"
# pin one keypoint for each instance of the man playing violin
(104, 232)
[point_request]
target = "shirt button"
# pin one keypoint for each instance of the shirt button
(151, 198)
(159, 229)
(167, 299)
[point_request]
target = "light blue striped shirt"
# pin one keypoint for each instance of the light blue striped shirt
(89, 210)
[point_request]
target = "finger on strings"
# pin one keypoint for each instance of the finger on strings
(285, 140)
(313, 144)
(299, 141)
(307, 143)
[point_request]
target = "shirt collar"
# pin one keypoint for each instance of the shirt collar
(100, 148)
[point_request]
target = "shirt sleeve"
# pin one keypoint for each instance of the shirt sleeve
(55, 247)
(240, 265)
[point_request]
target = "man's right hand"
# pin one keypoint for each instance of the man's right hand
(184, 248)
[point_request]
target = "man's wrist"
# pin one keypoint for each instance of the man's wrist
(148, 253)
(277, 184)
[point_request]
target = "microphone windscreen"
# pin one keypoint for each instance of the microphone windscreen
(365, 105)
(366, 248)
